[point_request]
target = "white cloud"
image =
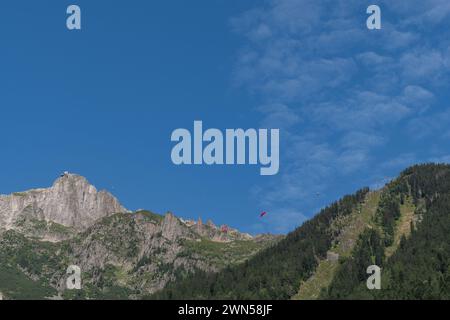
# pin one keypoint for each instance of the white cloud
(278, 116)
(424, 65)
(362, 140)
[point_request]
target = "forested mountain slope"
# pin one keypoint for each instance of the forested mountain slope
(404, 228)
(418, 266)
(276, 272)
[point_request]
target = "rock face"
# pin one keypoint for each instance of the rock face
(70, 202)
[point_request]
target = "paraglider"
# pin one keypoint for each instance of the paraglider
(262, 214)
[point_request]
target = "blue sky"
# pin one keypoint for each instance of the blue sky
(354, 106)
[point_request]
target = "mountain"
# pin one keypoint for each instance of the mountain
(404, 228)
(71, 202)
(121, 254)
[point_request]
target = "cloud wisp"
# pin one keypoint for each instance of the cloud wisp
(352, 103)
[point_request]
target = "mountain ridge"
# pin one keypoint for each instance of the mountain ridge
(403, 227)
(121, 253)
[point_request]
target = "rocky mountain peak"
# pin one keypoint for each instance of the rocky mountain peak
(73, 180)
(71, 201)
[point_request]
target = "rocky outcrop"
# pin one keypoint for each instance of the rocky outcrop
(218, 234)
(172, 228)
(71, 202)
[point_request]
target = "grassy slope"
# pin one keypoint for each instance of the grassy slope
(14, 284)
(223, 254)
(353, 226)
(356, 224)
(403, 225)
(18, 253)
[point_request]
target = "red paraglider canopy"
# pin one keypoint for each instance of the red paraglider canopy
(263, 214)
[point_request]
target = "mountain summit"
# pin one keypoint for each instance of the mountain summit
(71, 202)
